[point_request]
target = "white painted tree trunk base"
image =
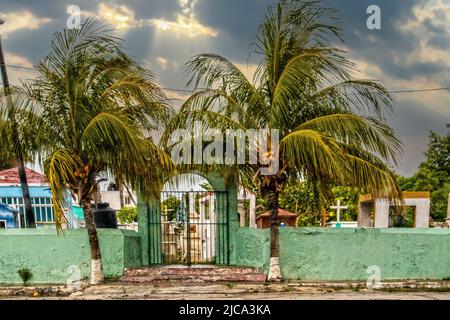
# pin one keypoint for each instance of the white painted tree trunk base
(96, 271)
(274, 271)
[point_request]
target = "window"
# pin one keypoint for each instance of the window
(2, 224)
(42, 208)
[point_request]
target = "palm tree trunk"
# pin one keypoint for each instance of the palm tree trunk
(121, 192)
(324, 217)
(130, 194)
(275, 270)
(96, 262)
(29, 215)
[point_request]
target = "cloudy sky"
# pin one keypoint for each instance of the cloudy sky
(411, 51)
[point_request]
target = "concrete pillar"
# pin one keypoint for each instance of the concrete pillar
(422, 213)
(222, 239)
(381, 213)
(149, 218)
(155, 233)
(252, 217)
(143, 229)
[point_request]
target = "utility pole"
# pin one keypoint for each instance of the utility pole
(29, 215)
(3, 67)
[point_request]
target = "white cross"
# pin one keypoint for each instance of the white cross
(338, 208)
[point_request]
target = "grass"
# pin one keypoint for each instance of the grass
(230, 285)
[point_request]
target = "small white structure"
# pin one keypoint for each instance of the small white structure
(245, 195)
(113, 198)
(374, 212)
(208, 226)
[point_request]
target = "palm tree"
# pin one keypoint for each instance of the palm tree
(15, 144)
(17, 135)
(97, 108)
(332, 128)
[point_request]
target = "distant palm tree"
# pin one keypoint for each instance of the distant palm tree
(332, 128)
(97, 108)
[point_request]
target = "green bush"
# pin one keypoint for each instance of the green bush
(127, 214)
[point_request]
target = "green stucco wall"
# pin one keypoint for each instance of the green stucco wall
(131, 249)
(345, 254)
(322, 254)
(49, 256)
(252, 248)
(326, 254)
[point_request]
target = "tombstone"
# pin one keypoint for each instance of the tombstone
(207, 219)
(193, 235)
(338, 208)
(375, 212)
(243, 196)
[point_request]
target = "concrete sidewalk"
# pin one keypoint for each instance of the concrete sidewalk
(229, 291)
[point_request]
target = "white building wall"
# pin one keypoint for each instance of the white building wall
(113, 198)
(381, 213)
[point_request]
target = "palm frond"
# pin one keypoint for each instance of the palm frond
(371, 134)
(60, 169)
(308, 150)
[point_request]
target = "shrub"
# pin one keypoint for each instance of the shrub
(25, 274)
(127, 214)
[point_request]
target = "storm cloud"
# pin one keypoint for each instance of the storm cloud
(411, 51)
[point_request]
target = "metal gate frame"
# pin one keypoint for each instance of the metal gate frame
(171, 242)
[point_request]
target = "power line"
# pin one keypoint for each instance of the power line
(190, 91)
(420, 90)
(20, 67)
(391, 92)
(181, 90)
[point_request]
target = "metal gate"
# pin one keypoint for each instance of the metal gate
(194, 228)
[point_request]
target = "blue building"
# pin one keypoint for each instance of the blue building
(41, 199)
(8, 217)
